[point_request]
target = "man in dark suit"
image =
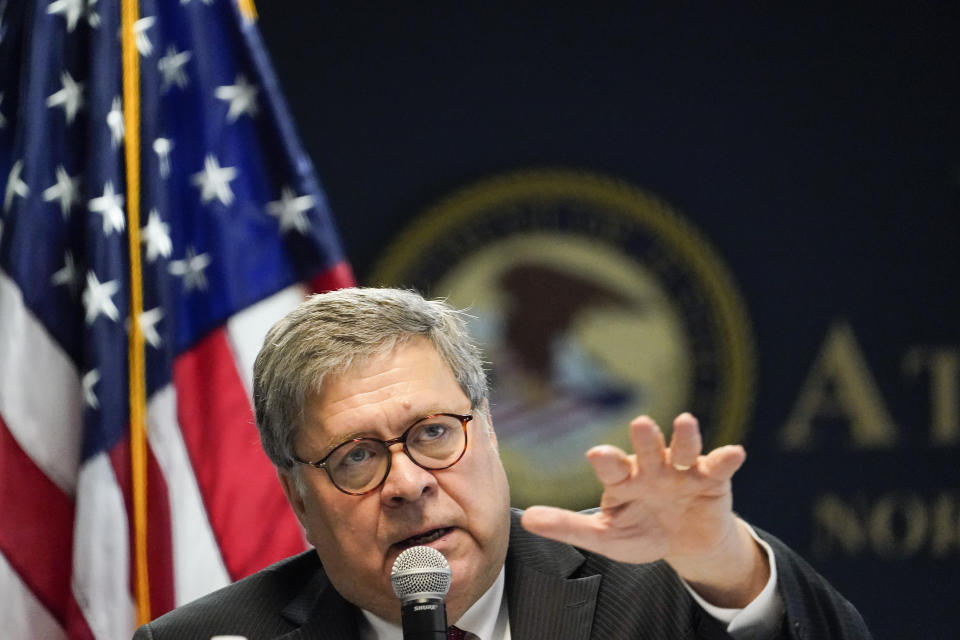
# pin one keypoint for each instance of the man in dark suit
(372, 404)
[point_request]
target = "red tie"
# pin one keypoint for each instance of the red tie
(456, 633)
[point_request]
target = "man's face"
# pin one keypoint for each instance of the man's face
(359, 537)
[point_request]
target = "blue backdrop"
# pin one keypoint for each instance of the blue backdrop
(817, 148)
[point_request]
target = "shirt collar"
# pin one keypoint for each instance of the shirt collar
(484, 619)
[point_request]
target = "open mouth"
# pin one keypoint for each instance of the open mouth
(425, 538)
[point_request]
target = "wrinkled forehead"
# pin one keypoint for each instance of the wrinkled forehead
(388, 390)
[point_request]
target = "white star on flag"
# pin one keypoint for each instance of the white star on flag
(69, 9)
(89, 381)
(97, 298)
(70, 97)
(191, 269)
(214, 181)
(290, 209)
(242, 97)
(171, 67)
(66, 190)
(144, 46)
(92, 18)
(156, 235)
(15, 186)
(115, 121)
(67, 275)
(110, 206)
(148, 326)
(162, 147)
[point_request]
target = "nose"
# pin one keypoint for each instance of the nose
(406, 481)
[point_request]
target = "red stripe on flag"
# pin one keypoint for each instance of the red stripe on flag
(338, 276)
(159, 537)
(36, 528)
(248, 513)
(77, 628)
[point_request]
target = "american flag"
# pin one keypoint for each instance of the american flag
(234, 230)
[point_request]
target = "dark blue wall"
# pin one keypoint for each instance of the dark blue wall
(817, 148)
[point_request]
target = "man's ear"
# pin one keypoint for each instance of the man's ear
(484, 408)
(290, 489)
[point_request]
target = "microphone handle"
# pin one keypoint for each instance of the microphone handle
(424, 619)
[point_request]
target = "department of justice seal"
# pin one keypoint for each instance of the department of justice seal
(594, 302)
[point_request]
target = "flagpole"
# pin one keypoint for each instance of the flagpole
(248, 9)
(136, 357)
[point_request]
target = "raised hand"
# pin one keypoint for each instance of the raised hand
(667, 503)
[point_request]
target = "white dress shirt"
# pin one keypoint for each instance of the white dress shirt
(487, 619)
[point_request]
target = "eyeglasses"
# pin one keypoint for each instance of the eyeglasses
(361, 465)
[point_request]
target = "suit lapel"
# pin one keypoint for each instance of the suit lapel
(321, 613)
(544, 600)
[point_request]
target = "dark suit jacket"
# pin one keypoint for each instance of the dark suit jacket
(554, 592)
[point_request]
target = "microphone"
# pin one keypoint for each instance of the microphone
(421, 579)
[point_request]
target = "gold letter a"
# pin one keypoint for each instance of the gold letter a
(840, 385)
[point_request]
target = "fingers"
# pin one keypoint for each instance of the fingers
(723, 462)
(650, 449)
(610, 464)
(648, 443)
(686, 442)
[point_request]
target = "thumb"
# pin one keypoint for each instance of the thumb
(577, 529)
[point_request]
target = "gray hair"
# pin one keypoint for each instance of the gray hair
(329, 332)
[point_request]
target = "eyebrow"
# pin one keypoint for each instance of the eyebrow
(353, 435)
